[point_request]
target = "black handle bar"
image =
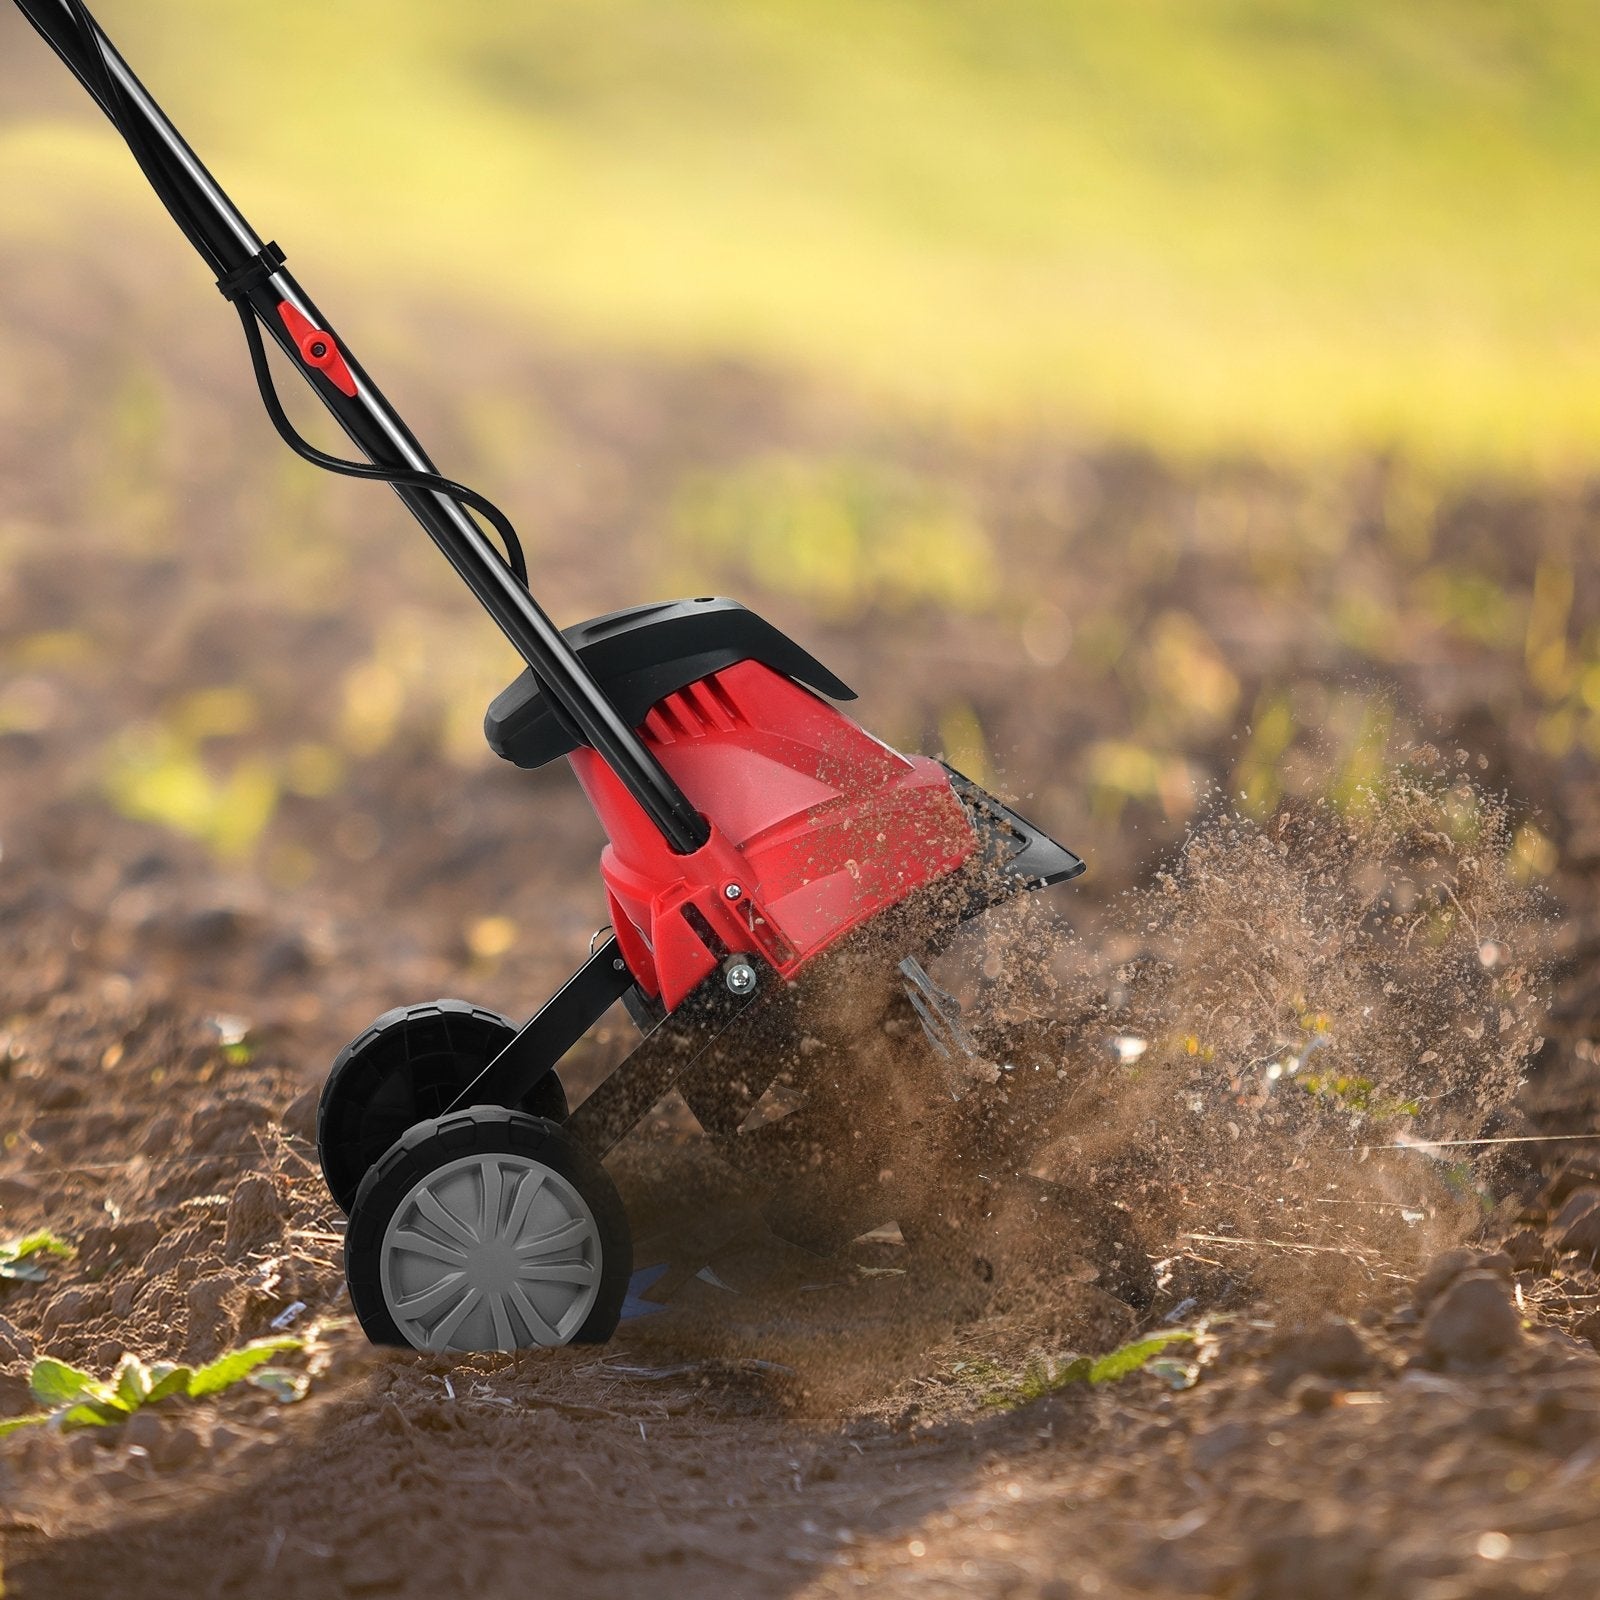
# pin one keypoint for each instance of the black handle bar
(253, 273)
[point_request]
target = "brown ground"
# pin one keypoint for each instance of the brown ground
(1151, 630)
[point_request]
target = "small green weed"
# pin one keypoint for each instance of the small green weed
(1044, 1377)
(23, 1257)
(1357, 1095)
(73, 1398)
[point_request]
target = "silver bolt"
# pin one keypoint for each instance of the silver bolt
(739, 976)
(732, 891)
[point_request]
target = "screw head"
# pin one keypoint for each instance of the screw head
(739, 976)
(732, 891)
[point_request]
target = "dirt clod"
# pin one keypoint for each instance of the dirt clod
(255, 1215)
(1577, 1205)
(1526, 1249)
(213, 1303)
(1334, 1348)
(1498, 1262)
(1472, 1323)
(179, 1444)
(300, 1115)
(1582, 1234)
(1441, 1272)
(15, 1346)
(143, 1429)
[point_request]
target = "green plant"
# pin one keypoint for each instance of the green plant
(73, 1398)
(1357, 1095)
(1044, 1377)
(22, 1257)
(159, 773)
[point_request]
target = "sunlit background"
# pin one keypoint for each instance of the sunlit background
(1282, 224)
(1139, 402)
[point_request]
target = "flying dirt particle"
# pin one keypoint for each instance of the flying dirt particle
(1214, 1446)
(60, 1097)
(1290, 983)
(1313, 1566)
(1313, 1394)
(1472, 1323)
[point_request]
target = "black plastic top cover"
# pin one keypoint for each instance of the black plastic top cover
(640, 656)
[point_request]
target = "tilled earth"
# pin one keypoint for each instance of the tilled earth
(1404, 1404)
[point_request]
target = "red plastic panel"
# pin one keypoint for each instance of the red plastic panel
(817, 823)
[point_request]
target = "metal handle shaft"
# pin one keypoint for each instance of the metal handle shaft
(228, 243)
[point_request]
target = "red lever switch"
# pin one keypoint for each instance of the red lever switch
(317, 349)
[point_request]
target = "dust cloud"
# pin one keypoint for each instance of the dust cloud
(1237, 1089)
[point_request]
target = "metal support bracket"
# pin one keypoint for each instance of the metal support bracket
(553, 1030)
(676, 1044)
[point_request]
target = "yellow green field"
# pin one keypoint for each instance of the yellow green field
(1286, 225)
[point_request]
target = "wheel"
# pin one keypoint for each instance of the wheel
(487, 1229)
(409, 1065)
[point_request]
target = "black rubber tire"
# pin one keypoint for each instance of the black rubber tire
(483, 1130)
(408, 1066)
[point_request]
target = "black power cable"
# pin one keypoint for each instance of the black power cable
(152, 163)
(399, 476)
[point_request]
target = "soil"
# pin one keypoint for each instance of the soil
(1395, 1391)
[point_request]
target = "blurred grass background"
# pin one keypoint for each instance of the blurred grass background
(1288, 226)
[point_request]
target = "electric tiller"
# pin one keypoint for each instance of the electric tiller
(766, 858)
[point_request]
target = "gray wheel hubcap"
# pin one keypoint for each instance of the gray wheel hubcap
(490, 1252)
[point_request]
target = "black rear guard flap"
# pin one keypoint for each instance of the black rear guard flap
(1013, 855)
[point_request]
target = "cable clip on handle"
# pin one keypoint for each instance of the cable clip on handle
(316, 346)
(255, 272)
